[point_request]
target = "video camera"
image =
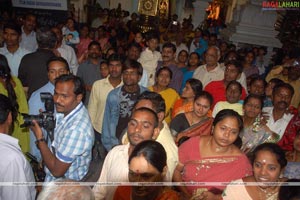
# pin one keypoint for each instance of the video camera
(45, 119)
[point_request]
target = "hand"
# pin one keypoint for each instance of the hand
(37, 130)
(207, 195)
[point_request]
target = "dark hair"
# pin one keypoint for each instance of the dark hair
(5, 75)
(235, 63)
(228, 113)
(254, 96)
(283, 85)
(195, 84)
(288, 191)
(92, 43)
(13, 26)
(78, 83)
(275, 81)
(164, 69)
(206, 95)
(46, 38)
(151, 35)
(234, 82)
(132, 64)
(273, 148)
(58, 59)
(153, 152)
(6, 107)
(148, 110)
(169, 45)
(156, 99)
(258, 78)
(248, 52)
(115, 57)
(136, 45)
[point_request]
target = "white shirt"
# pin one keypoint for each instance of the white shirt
(148, 60)
(14, 59)
(68, 53)
(115, 169)
(280, 125)
(97, 101)
(14, 168)
(206, 77)
(29, 41)
(166, 140)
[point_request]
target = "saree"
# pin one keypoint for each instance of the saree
(201, 128)
(206, 170)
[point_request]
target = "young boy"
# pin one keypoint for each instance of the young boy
(150, 56)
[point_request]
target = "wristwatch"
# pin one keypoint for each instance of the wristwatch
(39, 140)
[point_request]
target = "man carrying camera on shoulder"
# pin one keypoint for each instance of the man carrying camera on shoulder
(71, 150)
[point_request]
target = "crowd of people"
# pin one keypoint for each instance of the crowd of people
(176, 104)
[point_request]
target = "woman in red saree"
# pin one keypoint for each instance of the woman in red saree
(212, 158)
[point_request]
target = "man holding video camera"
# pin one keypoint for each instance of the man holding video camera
(56, 66)
(71, 150)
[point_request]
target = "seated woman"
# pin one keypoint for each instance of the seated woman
(212, 158)
(233, 96)
(185, 103)
(292, 169)
(268, 162)
(194, 119)
(147, 163)
(162, 80)
(255, 132)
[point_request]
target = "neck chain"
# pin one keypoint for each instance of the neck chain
(264, 194)
(218, 149)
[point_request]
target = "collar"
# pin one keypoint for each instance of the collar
(70, 115)
(7, 139)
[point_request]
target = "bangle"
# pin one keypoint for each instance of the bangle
(40, 140)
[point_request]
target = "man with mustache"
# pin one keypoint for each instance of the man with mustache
(143, 125)
(71, 149)
(282, 124)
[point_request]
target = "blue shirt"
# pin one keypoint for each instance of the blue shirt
(111, 117)
(35, 104)
(73, 142)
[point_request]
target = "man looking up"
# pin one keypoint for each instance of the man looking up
(73, 134)
(142, 125)
(120, 102)
(12, 50)
(56, 66)
(13, 165)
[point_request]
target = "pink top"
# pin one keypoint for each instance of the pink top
(210, 169)
(83, 46)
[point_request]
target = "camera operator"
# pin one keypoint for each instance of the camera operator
(14, 166)
(56, 66)
(71, 149)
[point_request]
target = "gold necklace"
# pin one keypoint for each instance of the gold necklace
(218, 149)
(267, 195)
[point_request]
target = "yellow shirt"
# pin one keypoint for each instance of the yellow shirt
(97, 101)
(22, 134)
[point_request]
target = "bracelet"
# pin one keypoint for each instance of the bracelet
(40, 140)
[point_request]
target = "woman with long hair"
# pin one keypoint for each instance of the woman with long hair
(11, 87)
